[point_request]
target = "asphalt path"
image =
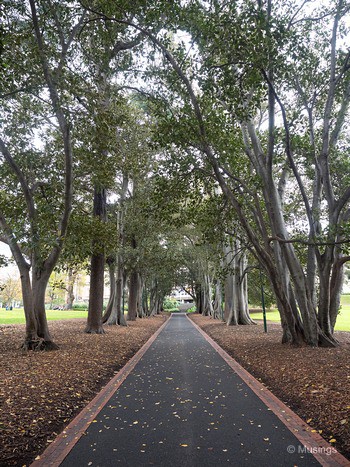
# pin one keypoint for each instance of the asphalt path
(182, 405)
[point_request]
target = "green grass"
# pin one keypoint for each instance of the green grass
(343, 320)
(345, 300)
(17, 316)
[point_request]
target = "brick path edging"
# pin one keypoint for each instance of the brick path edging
(326, 454)
(56, 452)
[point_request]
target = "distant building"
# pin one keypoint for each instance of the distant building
(181, 296)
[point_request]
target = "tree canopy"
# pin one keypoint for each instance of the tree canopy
(208, 131)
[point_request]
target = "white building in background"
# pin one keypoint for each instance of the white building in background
(181, 296)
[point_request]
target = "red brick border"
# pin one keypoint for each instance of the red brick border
(326, 454)
(56, 452)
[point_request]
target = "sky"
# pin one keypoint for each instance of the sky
(8, 270)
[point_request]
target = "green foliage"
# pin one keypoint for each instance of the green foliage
(170, 304)
(175, 216)
(258, 284)
(80, 307)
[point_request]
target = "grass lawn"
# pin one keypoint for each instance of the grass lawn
(17, 316)
(342, 324)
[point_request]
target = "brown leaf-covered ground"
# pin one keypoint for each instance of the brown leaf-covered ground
(315, 383)
(41, 392)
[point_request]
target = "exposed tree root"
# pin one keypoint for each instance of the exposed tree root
(98, 330)
(111, 321)
(241, 322)
(122, 320)
(39, 345)
(327, 341)
(247, 321)
(299, 340)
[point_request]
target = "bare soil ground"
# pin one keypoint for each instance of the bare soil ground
(315, 383)
(41, 392)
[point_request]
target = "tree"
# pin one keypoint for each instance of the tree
(246, 82)
(36, 242)
(105, 51)
(97, 267)
(236, 285)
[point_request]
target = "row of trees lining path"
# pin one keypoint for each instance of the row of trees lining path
(190, 143)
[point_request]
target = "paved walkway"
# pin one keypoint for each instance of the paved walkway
(182, 404)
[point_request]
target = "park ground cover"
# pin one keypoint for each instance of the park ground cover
(41, 392)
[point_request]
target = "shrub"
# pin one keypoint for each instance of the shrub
(80, 307)
(170, 304)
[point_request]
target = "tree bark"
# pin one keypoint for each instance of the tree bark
(140, 286)
(198, 298)
(154, 298)
(336, 287)
(95, 310)
(217, 303)
(133, 296)
(94, 319)
(110, 314)
(120, 295)
(236, 288)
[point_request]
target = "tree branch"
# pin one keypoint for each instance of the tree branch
(323, 158)
(341, 115)
(307, 242)
(289, 152)
(65, 131)
(12, 243)
(24, 185)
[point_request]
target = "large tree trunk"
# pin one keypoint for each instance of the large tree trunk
(156, 299)
(324, 300)
(312, 333)
(207, 297)
(39, 289)
(120, 295)
(153, 298)
(145, 303)
(140, 287)
(133, 296)
(31, 339)
(236, 288)
(95, 311)
(37, 332)
(217, 303)
(199, 298)
(94, 319)
(336, 287)
(110, 314)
